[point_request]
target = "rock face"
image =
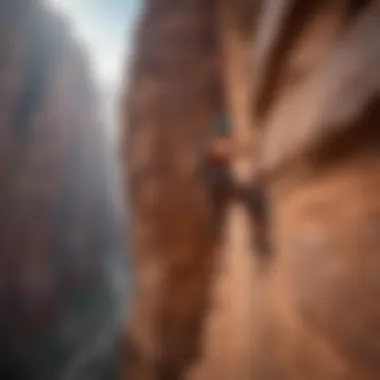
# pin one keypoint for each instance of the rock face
(59, 237)
(299, 82)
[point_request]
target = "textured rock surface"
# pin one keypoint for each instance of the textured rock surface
(299, 82)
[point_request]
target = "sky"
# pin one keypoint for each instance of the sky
(105, 29)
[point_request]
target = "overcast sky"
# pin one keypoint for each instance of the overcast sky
(106, 27)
